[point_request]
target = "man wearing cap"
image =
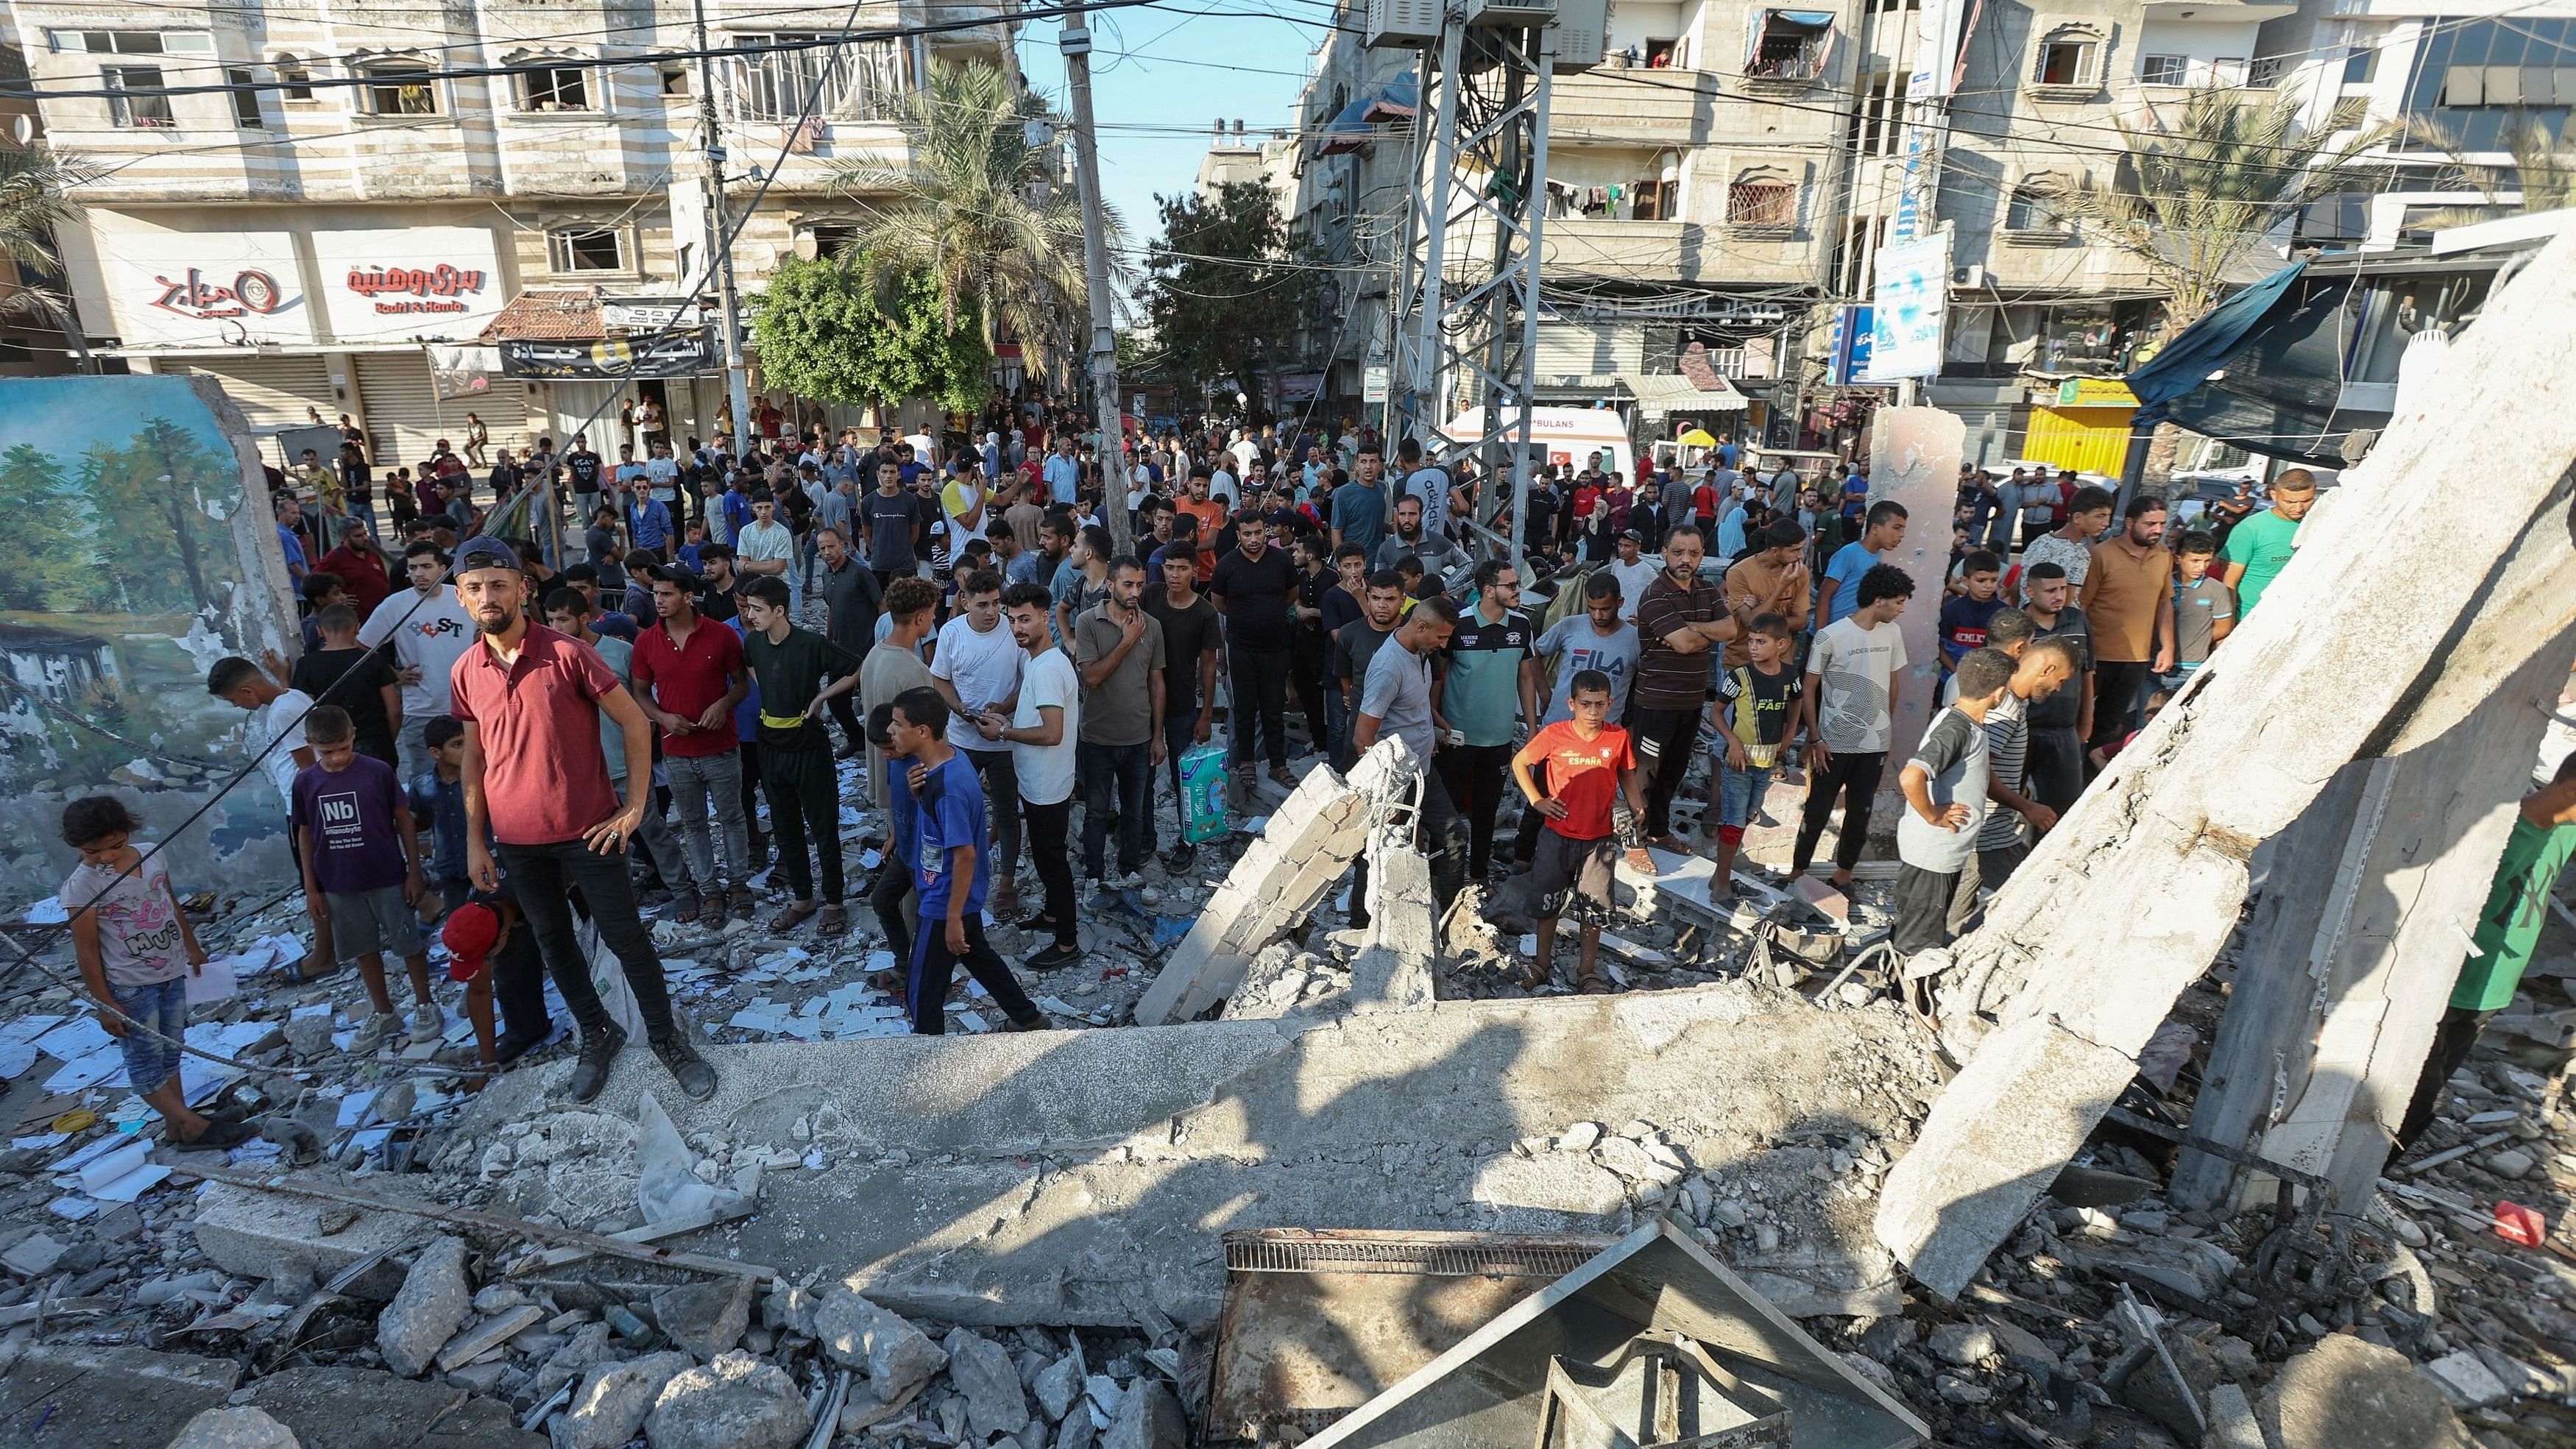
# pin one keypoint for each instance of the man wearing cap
(537, 780)
(490, 949)
(1634, 572)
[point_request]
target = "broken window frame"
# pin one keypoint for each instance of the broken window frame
(1788, 47)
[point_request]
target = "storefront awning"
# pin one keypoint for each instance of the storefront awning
(1656, 394)
(556, 315)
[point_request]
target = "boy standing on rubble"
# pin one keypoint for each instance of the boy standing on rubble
(361, 858)
(938, 834)
(1591, 765)
(1945, 787)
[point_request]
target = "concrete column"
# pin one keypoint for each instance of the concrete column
(1914, 460)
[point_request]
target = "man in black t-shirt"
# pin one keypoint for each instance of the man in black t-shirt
(373, 698)
(586, 469)
(800, 674)
(1255, 587)
(1191, 628)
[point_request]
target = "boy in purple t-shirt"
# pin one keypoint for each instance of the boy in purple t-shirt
(360, 854)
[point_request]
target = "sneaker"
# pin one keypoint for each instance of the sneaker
(428, 1022)
(221, 1135)
(590, 1072)
(697, 1080)
(1131, 881)
(373, 1031)
(685, 908)
(1055, 956)
(1034, 1023)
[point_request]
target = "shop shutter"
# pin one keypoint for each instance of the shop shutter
(1568, 349)
(504, 411)
(405, 418)
(272, 392)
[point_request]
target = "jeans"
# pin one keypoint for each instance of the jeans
(802, 799)
(934, 966)
(1257, 682)
(1665, 739)
(413, 747)
(1001, 782)
(1739, 796)
(2452, 1040)
(661, 848)
(749, 792)
(1853, 776)
(1048, 825)
(1474, 775)
(1337, 723)
(1125, 774)
(698, 782)
(151, 1041)
(1180, 736)
(546, 876)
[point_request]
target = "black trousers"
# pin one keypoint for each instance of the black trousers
(1475, 775)
(2119, 699)
(1048, 827)
(934, 966)
(1001, 781)
(1258, 679)
(546, 876)
(752, 790)
(1180, 735)
(1308, 654)
(1922, 900)
(845, 713)
(1665, 738)
(2451, 1043)
(802, 801)
(889, 899)
(2055, 767)
(1854, 777)
(1525, 839)
(519, 986)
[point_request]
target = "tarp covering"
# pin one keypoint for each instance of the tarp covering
(2203, 348)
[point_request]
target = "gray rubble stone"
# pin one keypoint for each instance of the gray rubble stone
(896, 1356)
(243, 1428)
(2466, 1380)
(1580, 1137)
(1057, 1386)
(2508, 1162)
(704, 1318)
(2347, 1394)
(983, 1372)
(1077, 1432)
(432, 1305)
(1148, 1418)
(737, 1402)
(2231, 1420)
(1963, 1344)
(308, 1036)
(2152, 1391)
(35, 1256)
(611, 1403)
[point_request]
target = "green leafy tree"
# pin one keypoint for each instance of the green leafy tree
(2196, 200)
(35, 186)
(45, 560)
(1227, 286)
(972, 206)
(148, 516)
(827, 331)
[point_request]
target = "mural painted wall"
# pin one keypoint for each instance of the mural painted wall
(137, 547)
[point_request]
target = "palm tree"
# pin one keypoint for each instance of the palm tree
(35, 183)
(2541, 178)
(976, 207)
(2195, 201)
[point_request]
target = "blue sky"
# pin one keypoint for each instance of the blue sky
(1161, 77)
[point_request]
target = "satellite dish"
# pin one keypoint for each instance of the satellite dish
(25, 129)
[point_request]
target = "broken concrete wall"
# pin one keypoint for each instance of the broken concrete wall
(1082, 1177)
(2361, 648)
(140, 548)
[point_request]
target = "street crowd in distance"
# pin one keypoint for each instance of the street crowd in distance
(513, 741)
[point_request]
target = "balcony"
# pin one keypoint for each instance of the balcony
(1648, 250)
(1633, 108)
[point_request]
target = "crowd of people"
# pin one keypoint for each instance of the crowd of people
(503, 737)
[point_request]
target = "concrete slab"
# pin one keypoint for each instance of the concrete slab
(345, 1408)
(1081, 1177)
(73, 1394)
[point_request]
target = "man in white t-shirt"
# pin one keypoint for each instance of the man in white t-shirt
(977, 669)
(275, 738)
(1633, 570)
(1041, 731)
(1246, 452)
(1848, 707)
(764, 546)
(430, 632)
(1427, 481)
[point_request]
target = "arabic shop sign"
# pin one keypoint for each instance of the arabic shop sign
(417, 283)
(204, 289)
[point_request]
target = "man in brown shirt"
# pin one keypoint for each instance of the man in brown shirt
(1678, 620)
(1770, 582)
(2128, 596)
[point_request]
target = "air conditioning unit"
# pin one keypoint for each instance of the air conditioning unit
(1510, 14)
(1582, 34)
(1971, 276)
(1403, 24)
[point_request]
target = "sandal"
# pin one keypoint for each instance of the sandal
(833, 920)
(1593, 985)
(795, 915)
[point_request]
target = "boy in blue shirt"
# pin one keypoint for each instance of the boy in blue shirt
(1964, 616)
(1840, 594)
(938, 834)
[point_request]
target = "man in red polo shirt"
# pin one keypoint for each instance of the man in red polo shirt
(690, 673)
(361, 566)
(537, 780)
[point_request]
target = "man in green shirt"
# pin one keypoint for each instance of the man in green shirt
(2259, 547)
(2543, 840)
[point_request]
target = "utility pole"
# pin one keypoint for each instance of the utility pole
(719, 240)
(1114, 477)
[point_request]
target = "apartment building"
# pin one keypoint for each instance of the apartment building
(311, 201)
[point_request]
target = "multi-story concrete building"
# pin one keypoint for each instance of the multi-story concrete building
(304, 200)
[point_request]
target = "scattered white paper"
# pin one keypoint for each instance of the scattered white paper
(15, 1059)
(88, 1071)
(132, 1185)
(107, 1167)
(48, 912)
(353, 1108)
(666, 1183)
(73, 1207)
(213, 981)
(74, 1039)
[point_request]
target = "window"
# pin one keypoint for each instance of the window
(2069, 58)
(399, 88)
(2165, 70)
(1788, 45)
(2479, 82)
(136, 96)
(1876, 128)
(2266, 72)
(245, 99)
(2031, 212)
(831, 238)
(553, 88)
(586, 249)
(675, 80)
(1654, 201)
(772, 83)
(1762, 201)
(295, 82)
(2360, 65)
(133, 42)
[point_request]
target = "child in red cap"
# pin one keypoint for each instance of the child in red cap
(473, 932)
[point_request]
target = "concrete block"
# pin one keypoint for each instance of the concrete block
(106, 1398)
(348, 1408)
(1973, 1174)
(252, 1234)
